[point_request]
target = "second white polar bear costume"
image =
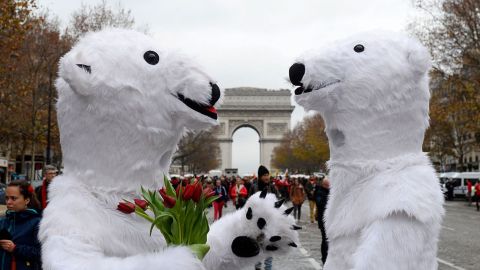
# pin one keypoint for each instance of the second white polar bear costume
(385, 208)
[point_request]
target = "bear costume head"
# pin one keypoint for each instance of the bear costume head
(124, 102)
(372, 91)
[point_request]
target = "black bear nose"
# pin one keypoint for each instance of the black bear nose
(215, 93)
(296, 73)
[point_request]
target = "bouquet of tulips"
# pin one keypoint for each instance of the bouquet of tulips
(179, 214)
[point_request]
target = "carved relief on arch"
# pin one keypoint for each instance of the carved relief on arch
(233, 125)
(277, 128)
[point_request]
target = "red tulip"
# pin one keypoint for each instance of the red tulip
(126, 207)
(141, 203)
(197, 192)
(208, 192)
(177, 190)
(168, 201)
(188, 192)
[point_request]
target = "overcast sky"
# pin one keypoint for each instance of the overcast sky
(252, 42)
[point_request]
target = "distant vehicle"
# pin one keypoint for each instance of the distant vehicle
(231, 172)
(319, 174)
(459, 181)
(299, 176)
(213, 173)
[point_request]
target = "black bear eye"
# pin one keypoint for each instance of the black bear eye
(359, 48)
(151, 57)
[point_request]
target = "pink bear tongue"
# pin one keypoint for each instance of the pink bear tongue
(212, 109)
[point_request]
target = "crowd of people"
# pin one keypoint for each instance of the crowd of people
(237, 190)
(472, 193)
(20, 248)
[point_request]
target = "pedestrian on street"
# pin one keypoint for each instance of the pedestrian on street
(477, 195)
(19, 245)
(297, 196)
(247, 182)
(262, 184)
(450, 188)
(238, 193)
(218, 204)
(469, 192)
(310, 190)
(282, 188)
(41, 192)
(322, 190)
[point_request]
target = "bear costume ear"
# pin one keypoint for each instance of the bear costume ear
(78, 76)
(418, 58)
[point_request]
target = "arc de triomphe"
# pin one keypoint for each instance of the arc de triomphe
(268, 112)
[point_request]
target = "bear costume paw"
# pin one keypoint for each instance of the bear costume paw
(259, 230)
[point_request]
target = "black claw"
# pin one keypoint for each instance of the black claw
(288, 211)
(261, 223)
(292, 244)
(279, 203)
(245, 247)
(295, 227)
(275, 238)
(271, 248)
(264, 193)
(249, 213)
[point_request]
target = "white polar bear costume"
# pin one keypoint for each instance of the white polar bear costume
(124, 103)
(385, 208)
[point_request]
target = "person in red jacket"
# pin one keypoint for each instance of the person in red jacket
(220, 202)
(469, 192)
(477, 194)
(41, 192)
(238, 193)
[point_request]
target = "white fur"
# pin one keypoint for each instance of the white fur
(224, 231)
(119, 127)
(385, 208)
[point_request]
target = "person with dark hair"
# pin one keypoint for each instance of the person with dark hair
(238, 193)
(50, 172)
(297, 197)
(322, 191)
(218, 204)
(263, 182)
(19, 245)
(310, 190)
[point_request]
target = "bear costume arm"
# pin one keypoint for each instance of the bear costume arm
(73, 254)
(396, 242)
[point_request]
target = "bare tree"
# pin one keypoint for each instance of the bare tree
(198, 151)
(451, 29)
(97, 17)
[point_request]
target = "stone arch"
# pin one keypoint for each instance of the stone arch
(238, 124)
(268, 112)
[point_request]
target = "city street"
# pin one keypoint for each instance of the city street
(459, 246)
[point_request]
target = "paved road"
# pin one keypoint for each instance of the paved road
(459, 247)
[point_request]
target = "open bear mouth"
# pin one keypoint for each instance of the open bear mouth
(301, 90)
(207, 110)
